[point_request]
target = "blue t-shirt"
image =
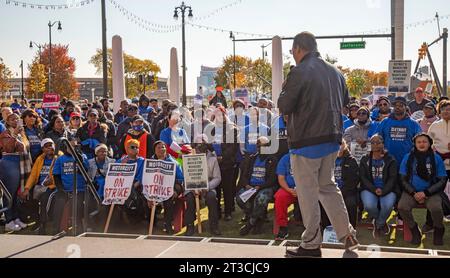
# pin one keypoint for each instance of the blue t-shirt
(179, 136)
(373, 127)
(15, 106)
(64, 167)
(398, 135)
(140, 166)
(45, 170)
(316, 151)
(338, 172)
(144, 111)
(417, 182)
(259, 173)
(35, 142)
(377, 172)
(2, 127)
(100, 180)
(284, 169)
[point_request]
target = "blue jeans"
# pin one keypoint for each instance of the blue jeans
(381, 214)
(10, 176)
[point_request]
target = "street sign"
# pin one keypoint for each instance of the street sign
(353, 45)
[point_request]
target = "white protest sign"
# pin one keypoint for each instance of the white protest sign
(118, 183)
(358, 152)
(247, 194)
(195, 171)
(399, 77)
(377, 92)
(158, 180)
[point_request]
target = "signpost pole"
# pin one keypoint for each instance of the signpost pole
(111, 209)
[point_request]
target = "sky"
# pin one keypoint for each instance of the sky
(82, 30)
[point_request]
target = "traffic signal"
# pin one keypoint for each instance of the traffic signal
(423, 51)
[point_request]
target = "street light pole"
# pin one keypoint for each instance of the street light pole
(234, 58)
(40, 50)
(50, 25)
(21, 79)
(183, 9)
(104, 52)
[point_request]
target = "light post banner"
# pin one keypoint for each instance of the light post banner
(118, 183)
(158, 180)
(195, 170)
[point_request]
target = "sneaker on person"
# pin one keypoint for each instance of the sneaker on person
(282, 233)
(303, 253)
(12, 227)
(351, 243)
(20, 223)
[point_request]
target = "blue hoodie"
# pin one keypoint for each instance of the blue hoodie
(398, 135)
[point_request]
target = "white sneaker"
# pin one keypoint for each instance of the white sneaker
(20, 223)
(12, 227)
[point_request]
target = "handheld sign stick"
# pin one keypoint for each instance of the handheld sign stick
(152, 218)
(197, 206)
(108, 220)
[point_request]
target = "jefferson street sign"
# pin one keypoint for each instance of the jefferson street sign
(353, 45)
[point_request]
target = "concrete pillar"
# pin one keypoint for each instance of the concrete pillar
(118, 72)
(277, 69)
(398, 21)
(174, 79)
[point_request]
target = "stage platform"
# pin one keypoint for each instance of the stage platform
(95, 245)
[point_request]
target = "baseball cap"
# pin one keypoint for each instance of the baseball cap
(46, 141)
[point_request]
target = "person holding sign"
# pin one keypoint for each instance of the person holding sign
(258, 178)
(423, 178)
(378, 172)
(161, 154)
(132, 150)
(98, 166)
(210, 195)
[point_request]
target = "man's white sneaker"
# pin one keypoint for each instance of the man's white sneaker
(12, 227)
(20, 223)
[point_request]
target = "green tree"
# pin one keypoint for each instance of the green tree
(5, 75)
(37, 80)
(133, 67)
(356, 82)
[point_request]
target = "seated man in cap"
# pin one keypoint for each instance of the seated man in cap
(41, 181)
(398, 130)
(258, 171)
(383, 109)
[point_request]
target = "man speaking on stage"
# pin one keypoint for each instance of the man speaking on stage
(313, 97)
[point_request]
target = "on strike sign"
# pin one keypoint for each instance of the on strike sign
(158, 180)
(118, 183)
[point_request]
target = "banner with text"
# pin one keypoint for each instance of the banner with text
(195, 170)
(158, 180)
(118, 183)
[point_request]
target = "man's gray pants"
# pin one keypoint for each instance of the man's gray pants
(314, 179)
